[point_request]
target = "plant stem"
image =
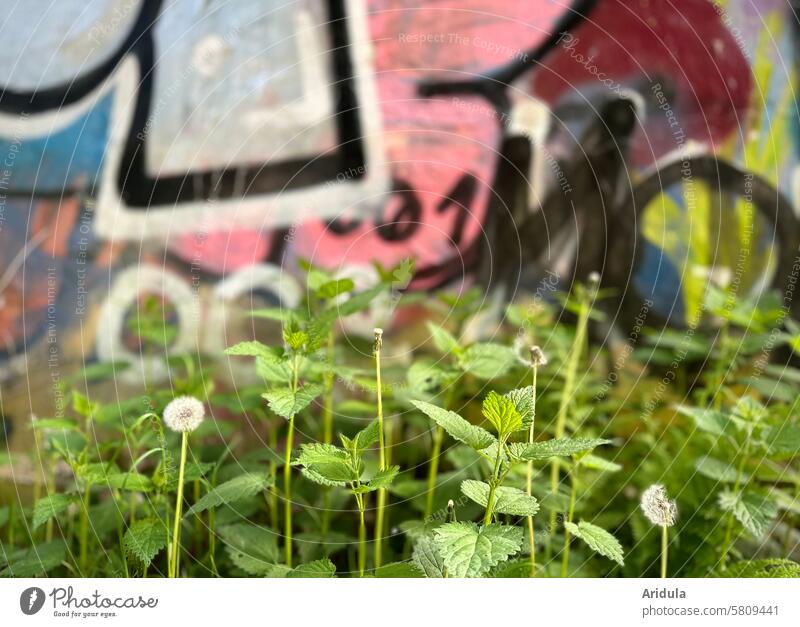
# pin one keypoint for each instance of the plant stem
(362, 536)
(83, 532)
(379, 515)
(737, 489)
(327, 432)
(176, 529)
(531, 535)
(433, 468)
(566, 397)
(572, 495)
(287, 472)
(487, 517)
(664, 549)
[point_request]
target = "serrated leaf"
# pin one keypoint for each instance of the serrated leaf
(36, 560)
(593, 462)
(783, 440)
(145, 538)
(487, 360)
(399, 570)
(468, 550)
(754, 511)
(766, 568)
(715, 469)
(598, 539)
(327, 464)
(253, 348)
(231, 491)
(383, 478)
(50, 507)
(425, 377)
(285, 403)
(501, 413)
(522, 398)
(442, 339)
(337, 287)
(367, 436)
(458, 428)
(709, 420)
(426, 557)
(562, 447)
(134, 481)
(253, 549)
(507, 500)
(323, 568)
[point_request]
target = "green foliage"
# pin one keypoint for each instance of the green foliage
(468, 550)
(236, 489)
(50, 507)
(598, 539)
(508, 500)
(145, 538)
(458, 428)
(561, 447)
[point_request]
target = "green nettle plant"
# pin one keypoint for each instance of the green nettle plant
(485, 460)
(344, 466)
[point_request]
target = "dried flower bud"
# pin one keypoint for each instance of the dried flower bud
(451, 504)
(657, 507)
(184, 414)
(378, 338)
(594, 279)
(538, 357)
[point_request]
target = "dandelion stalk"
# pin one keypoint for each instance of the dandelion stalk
(537, 359)
(183, 415)
(660, 511)
(287, 471)
(584, 309)
(379, 516)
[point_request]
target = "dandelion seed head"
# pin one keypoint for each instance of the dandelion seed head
(184, 414)
(451, 504)
(378, 338)
(538, 357)
(594, 278)
(657, 507)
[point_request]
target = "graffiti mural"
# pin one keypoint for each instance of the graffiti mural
(197, 151)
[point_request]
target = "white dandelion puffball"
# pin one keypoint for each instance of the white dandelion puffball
(184, 414)
(538, 357)
(657, 507)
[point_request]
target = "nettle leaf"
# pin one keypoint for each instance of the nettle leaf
(442, 339)
(327, 464)
(767, 568)
(425, 377)
(487, 360)
(593, 462)
(754, 511)
(522, 398)
(335, 288)
(715, 469)
(36, 560)
(133, 481)
(50, 507)
(145, 538)
(253, 549)
(507, 500)
(469, 550)
(783, 440)
(353, 304)
(598, 539)
(458, 428)
(399, 570)
(501, 414)
(709, 420)
(367, 436)
(272, 313)
(286, 403)
(323, 568)
(427, 558)
(253, 348)
(236, 489)
(562, 447)
(383, 478)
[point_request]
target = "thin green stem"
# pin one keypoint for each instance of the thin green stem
(529, 486)
(664, 549)
(362, 536)
(487, 517)
(83, 533)
(287, 471)
(566, 397)
(737, 489)
(176, 529)
(572, 496)
(436, 451)
(379, 515)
